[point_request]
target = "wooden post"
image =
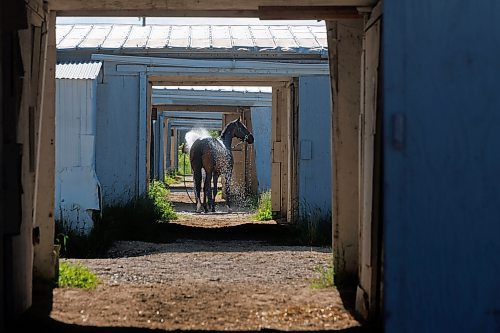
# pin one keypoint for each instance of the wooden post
(45, 260)
(344, 47)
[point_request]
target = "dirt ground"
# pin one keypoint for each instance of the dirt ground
(204, 284)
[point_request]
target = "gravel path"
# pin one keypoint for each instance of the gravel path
(205, 284)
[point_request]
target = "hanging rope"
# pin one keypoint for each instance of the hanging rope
(184, 174)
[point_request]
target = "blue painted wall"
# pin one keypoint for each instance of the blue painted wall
(315, 167)
(117, 135)
(441, 189)
(261, 128)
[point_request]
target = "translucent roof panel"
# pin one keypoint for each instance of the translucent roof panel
(96, 36)
(158, 38)
(138, 37)
(117, 37)
(246, 38)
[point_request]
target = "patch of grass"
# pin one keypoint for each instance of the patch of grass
(314, 226)
(76, 276)
(171, 178)
(140, 219)
(158, 192)
(324, 278)
(184, 163)
(264, 212)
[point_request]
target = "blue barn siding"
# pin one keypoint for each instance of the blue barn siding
(117, 136)
(261, 128)
(314, 171)
(441, 191)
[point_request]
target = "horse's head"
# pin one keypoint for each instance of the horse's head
(241, 132)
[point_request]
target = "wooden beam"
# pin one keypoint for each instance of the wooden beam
(308, 13)
(201, 108)
(212, 8)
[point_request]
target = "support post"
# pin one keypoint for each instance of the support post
(45, 259)
(344, 48)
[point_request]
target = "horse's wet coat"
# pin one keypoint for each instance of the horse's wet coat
(215, 157)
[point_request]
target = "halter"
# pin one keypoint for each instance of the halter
(239, 143)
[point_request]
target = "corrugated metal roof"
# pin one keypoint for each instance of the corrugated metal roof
(78, 71)
(296, 39)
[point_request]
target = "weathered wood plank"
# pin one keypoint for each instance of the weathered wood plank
(344, 45)
(44, 261)
(185, 7)
(307, 12)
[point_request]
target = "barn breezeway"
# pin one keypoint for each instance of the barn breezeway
(300, 132)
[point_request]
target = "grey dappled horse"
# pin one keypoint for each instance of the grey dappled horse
(214, 155)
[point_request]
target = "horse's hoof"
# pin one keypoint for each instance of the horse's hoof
(198, 208)
(229, 210)
(213, 209)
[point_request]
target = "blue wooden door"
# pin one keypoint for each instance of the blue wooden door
(441, 166)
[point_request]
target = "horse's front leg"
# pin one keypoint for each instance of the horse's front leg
(207, 190)
(227, 183)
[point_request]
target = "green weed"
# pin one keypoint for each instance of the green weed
(314, 226)
(324, 278)
(264, 212)
(140, 219)
(171, 178)
(76, 276)
(158, 192)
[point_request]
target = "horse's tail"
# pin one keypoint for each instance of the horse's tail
(194, 135)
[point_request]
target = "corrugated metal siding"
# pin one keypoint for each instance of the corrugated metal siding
(78, 71)
(77, 187)
(297, 39)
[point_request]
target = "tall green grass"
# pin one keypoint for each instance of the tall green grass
(184, 167)
(139, 219)
(264, 207)
(158, 193)
(314, 226)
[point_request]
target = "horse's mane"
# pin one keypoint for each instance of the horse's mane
(227, 128)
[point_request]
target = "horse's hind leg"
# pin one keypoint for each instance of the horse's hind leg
(227, 181)
(207, 191)
(214, 189)
(197, 189)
